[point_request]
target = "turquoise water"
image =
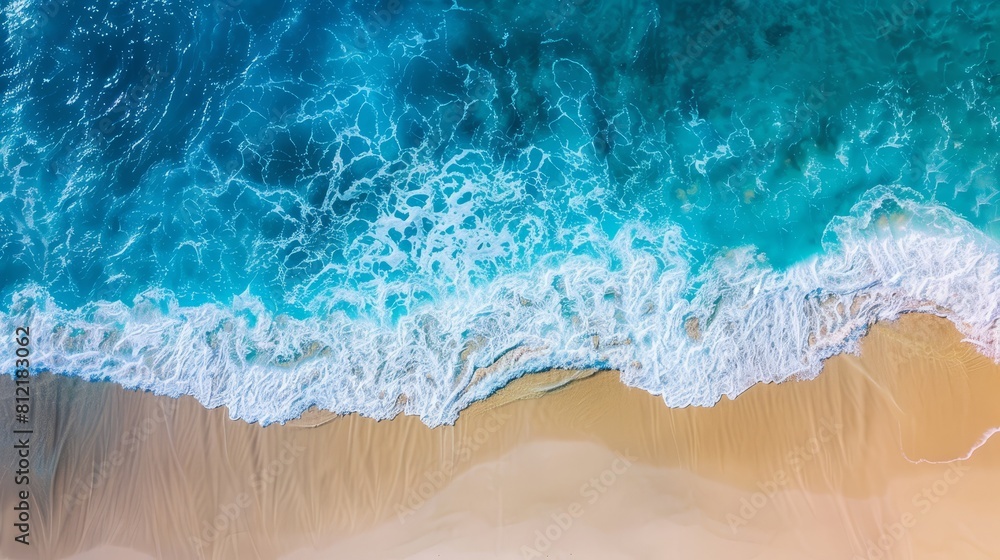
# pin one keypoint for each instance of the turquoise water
(359, 206)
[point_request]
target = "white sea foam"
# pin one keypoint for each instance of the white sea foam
(638, 315)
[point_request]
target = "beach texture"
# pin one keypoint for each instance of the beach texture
(885, 455)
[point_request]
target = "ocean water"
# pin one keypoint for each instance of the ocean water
(400, 206)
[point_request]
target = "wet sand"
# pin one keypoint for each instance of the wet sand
(882, 456)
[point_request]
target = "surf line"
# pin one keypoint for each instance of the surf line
(982, 441)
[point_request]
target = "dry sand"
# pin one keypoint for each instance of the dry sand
(863, 457)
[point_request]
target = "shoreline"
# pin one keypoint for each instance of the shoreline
(836, 458)
(745, 318)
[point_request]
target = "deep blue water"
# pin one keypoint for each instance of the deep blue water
(272, 204)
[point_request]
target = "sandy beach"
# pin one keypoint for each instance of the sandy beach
(885, 455)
